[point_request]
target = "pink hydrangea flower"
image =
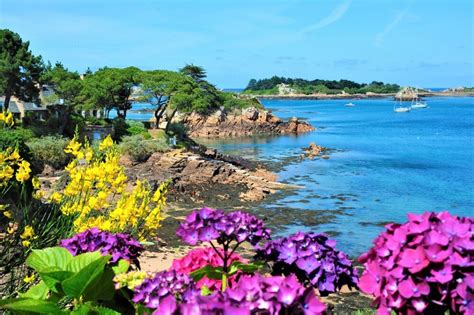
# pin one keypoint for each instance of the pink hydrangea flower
(201, 257)
(423, 266)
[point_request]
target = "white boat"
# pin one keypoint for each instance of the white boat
(400, 108)
(350, 105)
(419, 104)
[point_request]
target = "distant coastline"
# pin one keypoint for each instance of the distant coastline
(356, 96)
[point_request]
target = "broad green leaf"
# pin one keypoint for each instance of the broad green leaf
(208, 271)
(41, 259)
(31, 305)
(102, 288)
(105, 311)
(90, 308)
(121, 267)
(76, 285)
(53, 276)
(80, 261)
(39, 291)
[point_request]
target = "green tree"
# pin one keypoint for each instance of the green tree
(20, 70)
(111, 88)
(67, 85)
(159, 86)
(197, 73)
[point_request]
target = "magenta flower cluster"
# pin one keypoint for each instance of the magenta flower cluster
(207, 224)
(201, 257)
(253, 294)
(425, 265)
(119, 246)
(164, 286)
(313, 259)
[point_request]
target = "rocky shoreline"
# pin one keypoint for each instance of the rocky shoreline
(245, 122)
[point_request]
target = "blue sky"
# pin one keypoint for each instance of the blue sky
(425, 43)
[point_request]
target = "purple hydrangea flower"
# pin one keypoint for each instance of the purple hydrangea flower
(253, 294)
(313, 258)
(119, 246)
(208, 224)
(422, 266)
(156, 292)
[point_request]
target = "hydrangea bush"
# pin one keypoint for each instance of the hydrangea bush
(424, 265)
(201, 257)
(229, 230)
(253, 294)
(153, 291)
(119, 246)
(313, 259)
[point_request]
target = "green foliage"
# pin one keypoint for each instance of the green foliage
(137, 128)
(110, 88)
(67, 85)
(16, 138)
(302, 86)
(140, 149)
(87, 279)
(49, 150)
(20, 70)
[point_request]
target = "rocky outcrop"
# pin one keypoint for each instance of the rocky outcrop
(200, 176)
(249, 121)
(406, 94)
(314, 150)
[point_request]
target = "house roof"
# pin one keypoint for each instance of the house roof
(29, 106)
(33, 107)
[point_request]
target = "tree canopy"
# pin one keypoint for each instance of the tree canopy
(67, 85)
(269, 86)
(111, 88)
(20, 70)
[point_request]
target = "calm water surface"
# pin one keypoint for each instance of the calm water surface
(384, 164)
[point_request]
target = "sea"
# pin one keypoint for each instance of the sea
(382, 165)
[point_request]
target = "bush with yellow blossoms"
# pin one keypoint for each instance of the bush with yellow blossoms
(6, 119)
(97, 194)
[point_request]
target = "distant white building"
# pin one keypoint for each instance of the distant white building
(285, 89)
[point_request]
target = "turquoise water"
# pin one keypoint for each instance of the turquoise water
(383, 164)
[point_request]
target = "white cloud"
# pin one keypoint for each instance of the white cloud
(333, 17)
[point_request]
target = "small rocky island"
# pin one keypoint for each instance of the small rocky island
(245, 122)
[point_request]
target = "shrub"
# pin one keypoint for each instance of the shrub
(16, 138)
(313, 259)
(137, 128)
(49, 150)
(424, 265)
(140, 149)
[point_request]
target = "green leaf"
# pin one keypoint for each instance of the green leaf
(121, 267)
(41, 259)
(39, 291)
(90, 308)
(247, 268)
(53, 276)
(76, 285)
(208, 271)
(103, 287)
(80, 261)
(205, 291)
(31, 305)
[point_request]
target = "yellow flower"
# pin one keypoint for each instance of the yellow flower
(29, 279)
(36, 183)
(8, 214)
(9, 121)
(106, 143)
(14, 156)
(55, 197)
(6, 173)
(24, 170)
(28, 232)
(38, 194)
(73, 147)
(26, 243)
(12, 227)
